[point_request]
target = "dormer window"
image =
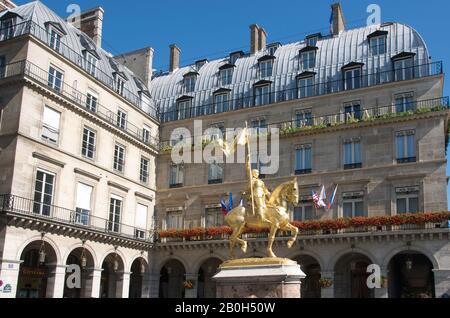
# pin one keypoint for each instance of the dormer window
(262, 93)
(221, 100)
(189, 81)
(404, 66)
(55, 33)
(311, 40)
(7, 27)
(308, 57)
(235, 56)
(226, 74)
(272, 48)
(352, 75)
(91, 64)
(184, 107)
(120, 84)
(55, 40)
(377, 42)
(199, 64)
(266, 66)
(305, 84)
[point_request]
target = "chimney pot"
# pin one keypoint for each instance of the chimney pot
(175, 53)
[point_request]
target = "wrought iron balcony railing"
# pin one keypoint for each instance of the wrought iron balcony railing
(78, 218)
(31, 28)
(26, 68)
(249, 100)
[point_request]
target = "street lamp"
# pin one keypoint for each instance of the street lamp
(83, 257)
(42, 254)
(116, 262)
(409, 262)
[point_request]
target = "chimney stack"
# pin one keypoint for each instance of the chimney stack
(262, 39)
(140, 62)
(338, 23)
(6, 5)
(174, 58)
(254, 38)
(91, 23)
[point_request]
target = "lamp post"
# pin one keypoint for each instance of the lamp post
(42, 254)
(83, 258)
(115, 262)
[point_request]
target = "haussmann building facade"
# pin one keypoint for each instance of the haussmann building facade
(87, 176)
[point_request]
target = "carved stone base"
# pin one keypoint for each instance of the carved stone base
(259, 278)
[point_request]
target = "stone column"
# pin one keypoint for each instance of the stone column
(153, 281)
(57, 282)
(192, 293)
(93, 283)
(146, 286)
(442, 282)
(126, 284)
(328, 292)
(9, 275)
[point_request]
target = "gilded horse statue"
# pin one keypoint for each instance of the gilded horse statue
(274, 216)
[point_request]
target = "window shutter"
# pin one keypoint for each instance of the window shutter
(141, 216)
(51, 118)
(84, 194)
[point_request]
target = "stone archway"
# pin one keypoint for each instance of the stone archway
(84, 259)
(350, 277)
(410, 276)
(206, 286)
(172, 277)
(36, 275)
(139, 269)
(111, 283)
(311, 284)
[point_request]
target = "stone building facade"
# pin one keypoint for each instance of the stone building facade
(79, 138)
(360, 109)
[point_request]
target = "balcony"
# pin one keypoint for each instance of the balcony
(33, 29)
(50, 217)
(317, 89)
(27, 69)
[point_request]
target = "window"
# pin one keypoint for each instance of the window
(91, 64)
(303, 118)
(144, 171)
(2, 67)
(184, 109)
(262, 95)
(378, 45)
(91, 101)
(306, 87)
(215, 173)
(221, 103)
(352, 154)
(50, 125)
(83, 205)
(7, 28)
(407, 200)
(403, 69)
(312, 40)
(308, 59)
(177, 138)
(176, 176)
(266, 68)
(259, 123)
(353, 205)
(406, 146)
(119, 158)
(304, 212)
(146, 134)
(303, 160)
(352, 78)
(226, 76)
(115, 210)
(120, 84)
(43, 193)
(404, 103)
(174, 220)
(235, 56)
(213, 217)
(272, 49)
(55, 40)
(89, 142)
(352, 111)
(55, 78)
(141, 221)
(189, 83)
(121, 119)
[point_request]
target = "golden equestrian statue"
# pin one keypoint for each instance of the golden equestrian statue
(263, 210)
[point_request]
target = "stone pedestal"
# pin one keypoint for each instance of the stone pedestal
(259, 278)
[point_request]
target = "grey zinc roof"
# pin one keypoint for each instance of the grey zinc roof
(332, 54)
(76, 40)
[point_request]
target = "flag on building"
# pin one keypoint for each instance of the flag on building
(224, 207)
(319, 200)
(230, 202)
(333, 197)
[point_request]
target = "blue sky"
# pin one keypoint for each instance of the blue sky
(211, 29)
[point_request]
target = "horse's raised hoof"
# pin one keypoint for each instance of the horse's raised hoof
(290, 244)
